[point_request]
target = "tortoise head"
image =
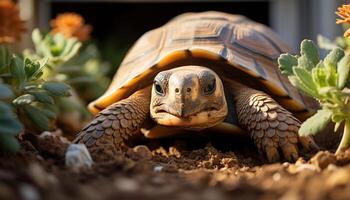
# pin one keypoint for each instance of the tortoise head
(191, 97)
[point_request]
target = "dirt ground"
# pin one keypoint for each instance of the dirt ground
(174, 168)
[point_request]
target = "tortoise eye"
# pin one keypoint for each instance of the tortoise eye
(158, 88)
(210, 87)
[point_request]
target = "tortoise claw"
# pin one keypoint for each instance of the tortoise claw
(290, 152)
(272, 154)
(308, 144)
(271, 126)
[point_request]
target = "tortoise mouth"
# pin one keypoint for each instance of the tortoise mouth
(164, 111)
(198, 120)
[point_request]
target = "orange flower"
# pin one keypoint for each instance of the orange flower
(344, 13)
(11, 26)
(71, 25)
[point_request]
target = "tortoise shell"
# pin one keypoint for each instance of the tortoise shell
(232, 45)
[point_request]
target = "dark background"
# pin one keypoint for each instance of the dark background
(118, 25)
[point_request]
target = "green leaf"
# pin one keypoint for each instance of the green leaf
(325, 43)
(37, 116)
(9, 124)
(49, 114)
(9, 143)
(24, 99)
(36, 37)
(319, 75)
(17, 69)
(306, 80)
(309, 55)
(297, 83)
(4, 57)
(60, 42)
(42, 97)
(343, 71)
(5, 92)
(72, 52)
(42, 64)
(334, 57)
(338, 117)
(315, 123)
(327, 90)
(30, 67)
(57, 89)
(286, 63)
(336, 126)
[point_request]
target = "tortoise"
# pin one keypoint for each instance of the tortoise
(199, 71)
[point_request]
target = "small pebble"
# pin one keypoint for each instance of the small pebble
(158, 168)
(276, 176)
(28, 192)
(77, 156)
(40, 176)
(143, 151)
(126, 184)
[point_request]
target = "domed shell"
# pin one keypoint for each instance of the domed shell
(232, 45)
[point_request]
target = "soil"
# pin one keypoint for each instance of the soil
(174, 168)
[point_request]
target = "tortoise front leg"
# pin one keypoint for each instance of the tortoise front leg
(109, 130)
(271, 126)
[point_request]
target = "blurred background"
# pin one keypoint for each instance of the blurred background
(118, 23)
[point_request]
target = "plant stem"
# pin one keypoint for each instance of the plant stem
(345, 140)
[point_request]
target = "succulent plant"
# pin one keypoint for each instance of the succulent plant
(326, 81)
(56, 48)
(10, 126)
(23, 92)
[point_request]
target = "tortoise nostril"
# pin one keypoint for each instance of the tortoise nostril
(188, 89)
(177, 90)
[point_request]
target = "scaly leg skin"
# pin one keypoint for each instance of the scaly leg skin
(271, 126)
(107, 133)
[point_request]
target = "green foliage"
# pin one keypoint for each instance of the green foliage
(86, 73)
(9, 124)
(32, 84)
(325, 80)
(24, 91)
(55, 47)
(316, 123)
(327, 44)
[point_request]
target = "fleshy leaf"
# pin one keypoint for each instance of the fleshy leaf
(17, 69)
(9, 124)
(37, 116)
(306, 80)
(309, 55)
(5, 92)
(42, 97)
(319, 75)
(334, 57)
(4, 57)
(24, 99)
(286, 63)
(325, 43)
(57, 89)
(343, 71)
(315, 123)
(9, 143)
(30, 67)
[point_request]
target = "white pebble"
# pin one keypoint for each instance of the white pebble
(77, 156)
(276, 176)
(158, 168)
